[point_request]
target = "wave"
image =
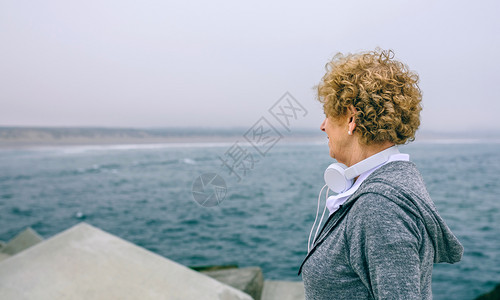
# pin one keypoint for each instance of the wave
(128, 147)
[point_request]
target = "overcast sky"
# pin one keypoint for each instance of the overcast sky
(225, 63)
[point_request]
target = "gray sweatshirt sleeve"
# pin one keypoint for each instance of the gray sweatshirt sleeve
(383, 244)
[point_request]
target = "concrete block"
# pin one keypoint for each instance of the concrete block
(85, 262)
(283, 290)
(213, 267)
(3, 256)
(249, 280)
(22, 241)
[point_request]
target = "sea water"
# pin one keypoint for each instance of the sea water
(144, 194)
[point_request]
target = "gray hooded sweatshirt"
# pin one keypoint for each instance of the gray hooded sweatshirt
(382, 242)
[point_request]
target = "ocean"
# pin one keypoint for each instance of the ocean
(266, 203)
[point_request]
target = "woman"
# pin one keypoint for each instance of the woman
(384, 232)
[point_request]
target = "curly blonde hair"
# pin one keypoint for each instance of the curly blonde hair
(384, 92)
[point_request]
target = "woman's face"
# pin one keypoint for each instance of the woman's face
(339, 141)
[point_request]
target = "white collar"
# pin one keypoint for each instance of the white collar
(334, 202)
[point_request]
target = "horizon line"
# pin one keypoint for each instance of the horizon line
(235, 128)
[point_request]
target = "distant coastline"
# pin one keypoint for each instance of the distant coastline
(26, 137)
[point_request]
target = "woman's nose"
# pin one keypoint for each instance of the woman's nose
(322, 126)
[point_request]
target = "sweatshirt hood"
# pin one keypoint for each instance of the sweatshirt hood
(401, 182)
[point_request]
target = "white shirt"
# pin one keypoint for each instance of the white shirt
(334, 202)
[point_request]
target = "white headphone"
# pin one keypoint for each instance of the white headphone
(339, 177)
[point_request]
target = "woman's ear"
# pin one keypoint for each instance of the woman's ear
(352, 119)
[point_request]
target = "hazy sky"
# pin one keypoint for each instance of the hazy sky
(225, 63)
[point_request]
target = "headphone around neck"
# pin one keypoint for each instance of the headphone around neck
(339, 177)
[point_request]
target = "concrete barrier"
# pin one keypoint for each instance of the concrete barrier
(288, 290)
(249, 280)
(3, 256)
(22, 241)
(85, 262)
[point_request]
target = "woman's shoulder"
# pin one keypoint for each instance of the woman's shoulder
(394, 190)
(397, 171)
(374, 215)
(373, 205)
(396, 179)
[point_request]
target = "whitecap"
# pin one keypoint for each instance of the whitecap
(189, 161)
